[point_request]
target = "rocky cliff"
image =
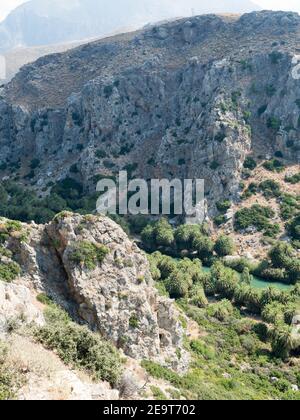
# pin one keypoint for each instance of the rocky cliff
(90, 268)
(190, 98)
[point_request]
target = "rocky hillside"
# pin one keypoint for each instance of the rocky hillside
(190, 98)
(87, 266)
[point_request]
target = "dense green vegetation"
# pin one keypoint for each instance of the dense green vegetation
(274, 165)
(185, 240)
(294, 179)
(9, 269)
(282, 265)
(193, 241)
(221, 303)
(88, 254)
(235, 357)
(185, 278)
(77, 346)
(257, 217)
(246, 335)
(20, 203)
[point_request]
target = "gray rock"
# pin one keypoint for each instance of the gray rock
(153, 101)
(107, 297)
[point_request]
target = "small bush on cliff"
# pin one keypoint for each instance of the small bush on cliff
(134, 321)
(294, 179)
(250, 163)
(274, 165)
(223, 206)
(270, 188)
(9, 271)
(274, 123)
(88, 254)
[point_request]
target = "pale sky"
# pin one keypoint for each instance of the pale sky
(7, 5)
(290, 5)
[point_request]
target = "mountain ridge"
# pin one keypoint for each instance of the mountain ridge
(175, 99)
(41, 22)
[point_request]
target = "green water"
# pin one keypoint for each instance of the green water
(259, 283)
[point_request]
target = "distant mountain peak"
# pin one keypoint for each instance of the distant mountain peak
(45, 22)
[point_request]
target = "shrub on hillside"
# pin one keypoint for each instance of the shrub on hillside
(224, 246)
(222, 310)
(88, 253)
(274, 165)
(256, 216)
(250, 163)
(78, 346)
(293, 179)
(270, 188)
(294, 228)
(223, 206)
(9, 271)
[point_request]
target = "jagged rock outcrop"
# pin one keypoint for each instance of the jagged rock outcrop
(116, 297)
(185, 99)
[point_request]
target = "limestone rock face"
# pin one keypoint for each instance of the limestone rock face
(115, 297)
(118, 297)
(185, 99)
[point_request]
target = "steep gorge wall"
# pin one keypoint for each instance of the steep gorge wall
(189, 105)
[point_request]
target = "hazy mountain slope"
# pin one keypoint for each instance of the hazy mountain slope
(18, 57)
(42, 22)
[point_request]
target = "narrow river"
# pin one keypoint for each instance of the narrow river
(259, 283)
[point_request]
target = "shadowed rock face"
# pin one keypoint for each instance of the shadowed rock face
(44, 22)
(190, 98)
(116, 297)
